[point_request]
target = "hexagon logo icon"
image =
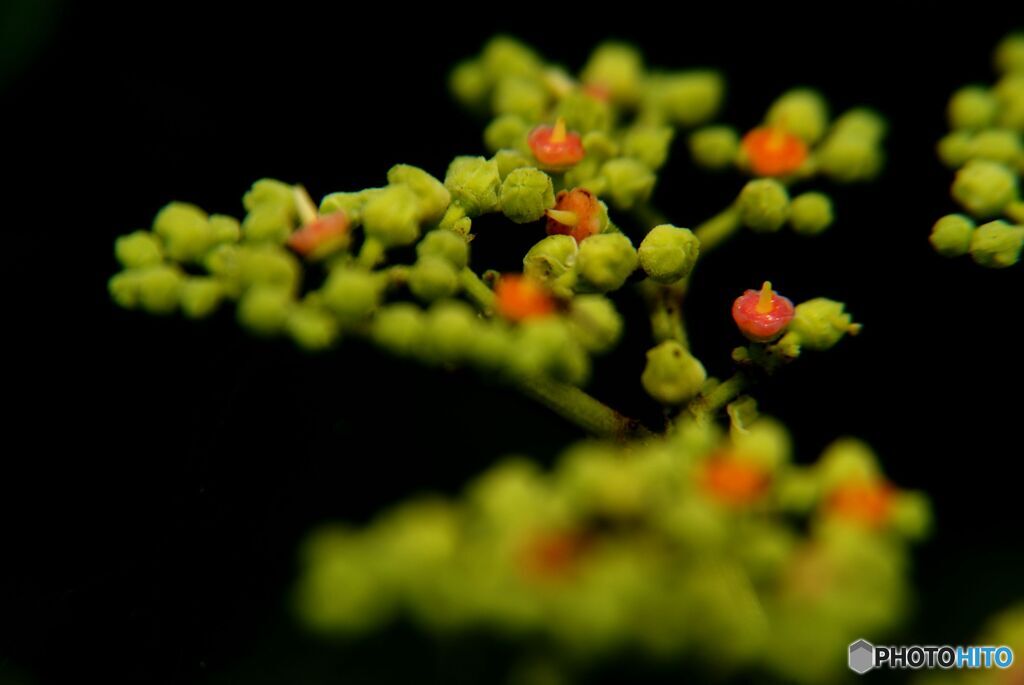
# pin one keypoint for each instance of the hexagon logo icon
(862, 657)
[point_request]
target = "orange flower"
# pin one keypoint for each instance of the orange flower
(518, 297)
(328, 230)
(773, 152)
(554, 147)
(576, 213)
(865, 502)
(733, 480)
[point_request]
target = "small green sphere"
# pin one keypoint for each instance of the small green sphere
(450, 332)
(269, 192)
(470, 84)
(551, 259)
(617, 68)
(983, 188)
(997, 145)
(630, 181)
(311, 327)
(595, 323)
(606, 260)
(433, 278)
(526, 194)
(972, 108)
(821, 323)
(955, 148)
(526, 98)
(714, 147)
(138, 249)
(648, 143)
(997, 244)
(508, 161)
(672, 375)
(668, 253)
(264, 309)
(392, 216)
(185, 230)
(434, 198)
(352, 294)
(849, 159)
(445, 244)
(474, 183)
(802, 112)
(268, 223)
(951, 235)
(1009, 54)
(810, 213)
(159, 288)
(506, 132)
(764, 205)
(399, 328)
(200, 296)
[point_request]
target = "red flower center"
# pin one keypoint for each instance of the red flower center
(575, 213)
(773, 152)
(322, 233)
(518, 297)
(555, 147)
(762, 315)
(734, 481)
(863, 502)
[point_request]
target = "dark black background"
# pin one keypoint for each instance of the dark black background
(158, 475)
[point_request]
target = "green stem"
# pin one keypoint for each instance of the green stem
(648, 216)
(477, 290)
(706, 405)
(585, 411)
(664, 303)
(718, 228)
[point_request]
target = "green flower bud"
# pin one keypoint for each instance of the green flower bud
(583, 113)
(1009, 91)
(264, 309)
(861, 123)
(983, 188)
(432, 278)
(600, 146)
(270, 223)
(526, 194)
(434, 198)
(349, 203)
(200, 296)
(912, 515)
(685, 98)
(508, 161)
(268, 191)
(810, 213)
(352, 294)
(399, 328)
(123, 288)
(492, 345)
(224, 229)
(159, 288)
(506, 132)
(672, 375)
(470, 84)
(311, 327)
(997, 145)
(447, 245)
(526, 98)
(997, 244)
(802, 112)
(1015, 211)
(392, 216)
(846, 460)
(263, 264)
(546, 347)
(138, 249)
(820, 323)
(668, 253)
(714, 147)
(185, 230)
(955, 148)
(606, 260)
(649, 144)
(586, 175)
(617, 68)
(764, 205)
(474, 183)
(951, 235)
(971, 108)
(848, 159)
(630, 181)
(551, 259)
(1009, 54)
(504, 56)
(595, 323)
(450, 332)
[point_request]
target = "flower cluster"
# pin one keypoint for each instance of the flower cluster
(986, 148)
(700, 543)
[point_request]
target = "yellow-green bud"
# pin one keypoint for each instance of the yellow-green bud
(433, 278)
(955, 148)
(600, 146)
(650, 144)
(392, 216)
(685, 98)
(951, 235)
(504, 56)
(399, 328)
(224, 229)
(522, 97)
(630, 181)
(268, 191)
(445, 244)
(264, 309)
(820, 323)
(594, 322)
(846, 460)
(138, 249)
(668, 253)
(983, 188)
(506, 132)
(847, 159)
(349, 203)
(546, 347)
(123, 288)
(764, 205)
(470, 84)
(862, 123)
(1015, 211)
(185, 230)
(450, 331)
(1010, 93)
(311, 327)
(810, 213)
(270, 223)
(262, 264)
(672, 375)
(1009, 54)
(510, 160)
(200, 296)
(551, 259)
(997, 244)
(155, 288)
(997, 145)
(583, 113)
(802, 112)
(912, 515)
(526, 194)
(474, 183)
(606, 260)
(492, 345)
(434, 198)
(972, 107)
(714, 147)
(352, 294)
(617, 68)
